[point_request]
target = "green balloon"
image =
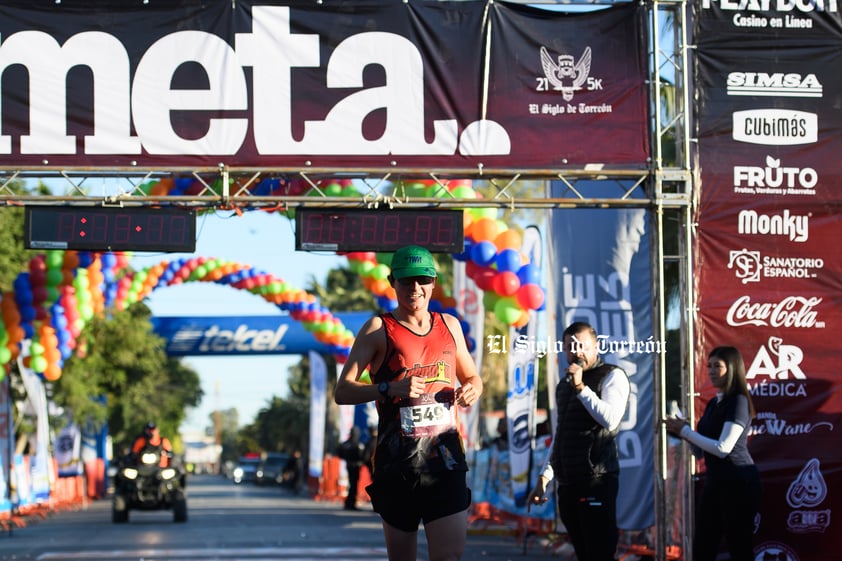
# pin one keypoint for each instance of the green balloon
(38, 363)
(381, 272)
(55, 259)
(507, 310)
(5, 356)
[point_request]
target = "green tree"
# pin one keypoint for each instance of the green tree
(13, 257)
(120, 374)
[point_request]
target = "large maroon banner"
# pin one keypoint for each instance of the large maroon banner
(333, 84)
(767, 254)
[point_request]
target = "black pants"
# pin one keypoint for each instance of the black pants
(728, 509)
(353, 483)
(589, 513)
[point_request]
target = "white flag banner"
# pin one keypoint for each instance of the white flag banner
(39, 468)
(469, 305)
(521, 396)
(5, 442)
(318, 411)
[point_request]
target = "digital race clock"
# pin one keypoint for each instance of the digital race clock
(378, 230)
(110, 228)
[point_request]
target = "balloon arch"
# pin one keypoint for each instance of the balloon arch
(62, 290)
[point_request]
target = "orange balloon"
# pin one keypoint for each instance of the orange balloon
(52, 372)
(509, 239)
(522, 320)
(484, 229)
(379, 287)
(71, 259)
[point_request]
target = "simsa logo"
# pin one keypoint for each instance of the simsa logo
(777, 84)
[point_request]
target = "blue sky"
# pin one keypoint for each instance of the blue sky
(266, 242)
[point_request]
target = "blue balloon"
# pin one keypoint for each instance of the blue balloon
(508, 260)
(435, 306)
(27, 313)
(529, 274)
(466, 251)
(21, 283)
(483, 253)
(108, 260)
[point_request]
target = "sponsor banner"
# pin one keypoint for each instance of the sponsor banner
(748, 24)
(446, 85)
(602, 264)
(244, 335)
(751, 250)
(768, 272)
(67, 451)
(770, 125)
(572, 78)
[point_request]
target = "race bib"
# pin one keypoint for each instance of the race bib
(424, 417)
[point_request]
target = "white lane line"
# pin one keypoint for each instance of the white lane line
(227, 554)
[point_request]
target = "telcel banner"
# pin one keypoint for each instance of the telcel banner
(323, 84)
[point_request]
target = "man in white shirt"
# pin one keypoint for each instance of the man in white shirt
(591, 402)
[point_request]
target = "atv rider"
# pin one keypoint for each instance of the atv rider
(151, 438)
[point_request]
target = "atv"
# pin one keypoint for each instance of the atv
(142, 484)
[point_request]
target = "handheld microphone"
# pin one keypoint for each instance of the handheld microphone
(569, 377)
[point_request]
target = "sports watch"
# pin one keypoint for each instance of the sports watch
(383, 388)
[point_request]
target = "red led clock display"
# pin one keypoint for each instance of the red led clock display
(378, 230)
(110, 229)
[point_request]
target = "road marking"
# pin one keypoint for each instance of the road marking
(227, 554)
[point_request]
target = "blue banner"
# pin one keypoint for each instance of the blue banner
(244, 335)
(602, 269)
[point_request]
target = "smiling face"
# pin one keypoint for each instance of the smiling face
(414, 293)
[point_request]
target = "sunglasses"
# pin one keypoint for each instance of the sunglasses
(410, 281)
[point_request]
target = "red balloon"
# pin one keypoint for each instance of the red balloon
(506, 283)
(485, 278)
(530, 296)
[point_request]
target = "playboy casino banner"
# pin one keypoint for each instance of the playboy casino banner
(767, 249)
(446, 85)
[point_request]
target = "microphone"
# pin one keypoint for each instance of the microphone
(569, 377)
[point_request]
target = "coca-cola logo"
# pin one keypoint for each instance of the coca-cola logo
(792, 311)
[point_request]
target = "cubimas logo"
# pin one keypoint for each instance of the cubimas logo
(775, 127)
(777, 84)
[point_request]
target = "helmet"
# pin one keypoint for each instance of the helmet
(150, 426)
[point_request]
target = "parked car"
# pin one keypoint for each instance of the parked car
(246, 469)
(270, 471)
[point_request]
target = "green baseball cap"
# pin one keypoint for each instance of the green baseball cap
(413, 261)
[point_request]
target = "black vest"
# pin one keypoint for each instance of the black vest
(582, 448)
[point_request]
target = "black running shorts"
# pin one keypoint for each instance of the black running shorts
(404, 501)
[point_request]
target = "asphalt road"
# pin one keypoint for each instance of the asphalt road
(228, 522)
